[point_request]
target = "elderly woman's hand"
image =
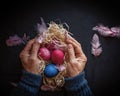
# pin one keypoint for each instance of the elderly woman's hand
(76, 58)
(29, 56)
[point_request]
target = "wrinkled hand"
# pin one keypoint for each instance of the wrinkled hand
(29, 57)
(76, 58)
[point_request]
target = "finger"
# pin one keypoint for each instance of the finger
(35, 49)
(77, 47)
(72, 39)
(71, 53)
(25, 52)
(28, 47)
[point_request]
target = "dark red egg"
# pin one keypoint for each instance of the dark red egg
(44, 53)
(57, 56)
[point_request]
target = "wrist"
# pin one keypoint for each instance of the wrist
(31, 79)
(32, 71)
(73, 83)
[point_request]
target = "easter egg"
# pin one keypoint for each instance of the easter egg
(57, 56)
(44, 53)
(50, 70)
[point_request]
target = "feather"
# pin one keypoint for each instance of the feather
(47, 88)
(107, 32)
(104, 31)
(41, 27)
(96, 49)
(60, 67)
(16, 40)
(25, 38)
(40, 38)
(14, 84)
(116, 31)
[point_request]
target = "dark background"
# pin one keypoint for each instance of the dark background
(19, 17)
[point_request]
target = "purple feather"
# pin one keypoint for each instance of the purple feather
(16, 40)
(107, 32)
(47, 88)
(96, 49)
(60, 67)
(41, 27)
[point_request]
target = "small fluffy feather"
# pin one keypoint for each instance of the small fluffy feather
(107, 32)
(60, 67)
(16, 40)
(96, 49)
(14, 84)
(41, 27)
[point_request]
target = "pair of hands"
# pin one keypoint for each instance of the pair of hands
(76, 58)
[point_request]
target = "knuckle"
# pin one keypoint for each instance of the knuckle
(85, 59)
(71, 53)
(30, 41)
(33, 51)
(36, 41)
(31, 59)
(72, 61)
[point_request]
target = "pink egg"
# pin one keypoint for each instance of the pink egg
(44, 53)
(57, 56)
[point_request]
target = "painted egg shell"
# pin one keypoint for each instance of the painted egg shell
(57, 56)
(50, 70)
(44, 53)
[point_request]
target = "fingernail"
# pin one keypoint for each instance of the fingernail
(69, 36)
(40, 39)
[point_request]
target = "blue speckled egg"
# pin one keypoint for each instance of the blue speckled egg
(50, 70)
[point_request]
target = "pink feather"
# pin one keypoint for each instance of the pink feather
(107, 32)
(14, 84)
(96, 49)
(41, 27)
(60, 67)
(47, 88)
(116, 31)
(16, 40)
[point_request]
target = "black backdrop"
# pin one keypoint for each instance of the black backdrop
(102, 72)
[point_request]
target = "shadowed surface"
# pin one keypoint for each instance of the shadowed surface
(102, 72)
